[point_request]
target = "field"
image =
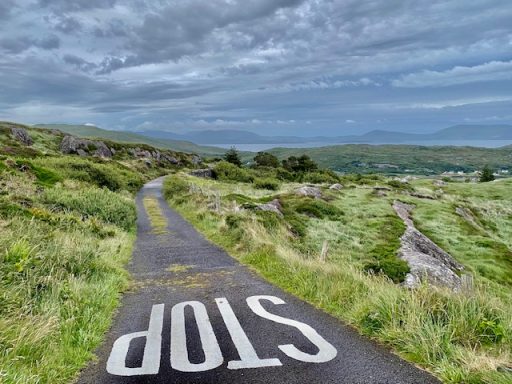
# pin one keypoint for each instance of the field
(460, 337)
(399, 159)
(67, 225)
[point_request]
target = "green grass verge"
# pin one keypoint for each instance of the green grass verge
(461, 338)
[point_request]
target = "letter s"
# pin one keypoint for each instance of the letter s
(326, 351)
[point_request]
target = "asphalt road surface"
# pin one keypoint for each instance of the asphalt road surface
(195, 315)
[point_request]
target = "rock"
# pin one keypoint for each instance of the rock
(196, 160)
(426, 260)
(170, 159)
(439, 183)
(71, 144)
(271, 206)
(309, 191)
(422, 196)
(102, 150)
(207, 173)
(21, 135)
(386, 189)
(336, 187)
(379, 193)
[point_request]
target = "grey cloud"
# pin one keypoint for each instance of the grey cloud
(383, 64)
(68, 24)
(76, 5)
(17, 45)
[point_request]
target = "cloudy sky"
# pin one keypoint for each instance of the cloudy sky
(270, 66)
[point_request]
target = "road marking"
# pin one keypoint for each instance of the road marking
(116, 364)
(179, 353)
(248, 356)
(326, 351)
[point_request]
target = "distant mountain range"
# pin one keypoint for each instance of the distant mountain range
(457, 132)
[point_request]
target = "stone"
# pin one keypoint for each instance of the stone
(196, 160)
(427, 261)
(271, 206)
(336, 187)
(102, 150)
(74, 145)
(71, 144)
(385, 189)
(206, 173)
(309, 191)
(439, 183)
(21, 135)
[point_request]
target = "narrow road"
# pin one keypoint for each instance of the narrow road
(195, 315)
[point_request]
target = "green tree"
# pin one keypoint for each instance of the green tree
(487, 174)
(232, 156)
(300, 164)
(265, 159)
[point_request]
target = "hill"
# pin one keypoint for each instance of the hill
(67, 226)
(363, 158)
(128, 137)
(233, 136)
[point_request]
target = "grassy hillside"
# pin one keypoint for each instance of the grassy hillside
(461, 337)
(127, 137)
(403, 158)
(67, 225)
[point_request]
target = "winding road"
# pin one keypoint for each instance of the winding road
(195, 315)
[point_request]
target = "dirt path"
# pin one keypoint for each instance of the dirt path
(195, 315)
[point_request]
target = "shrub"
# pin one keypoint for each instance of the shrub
(319, 209)
(232, 156)
(265, 159)
(486, 175)
(394, 268)
(318, 177)
(108, 206)
(283, 174)
(229, 172)
(269, 184)
(175, 186)
(44, 176)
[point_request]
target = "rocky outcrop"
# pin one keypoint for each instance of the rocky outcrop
(155, 155)
(84, 147)
(426, 260)
(206, 173)
(271, 206)
(309, 191)
(196, 160)
(439, 183)
(336, 187)
(21, 135)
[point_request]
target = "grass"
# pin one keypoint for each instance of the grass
(67, 226)
(157, 219)
(461, 338)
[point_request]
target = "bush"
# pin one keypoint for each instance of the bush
(232, 156)
(319, 177)
(229, 172)
(175, 186)
(319, 209)
(269, 184)
(265, 159)
(108, 206)
(283, 174)
(111, 175)
(394, 268)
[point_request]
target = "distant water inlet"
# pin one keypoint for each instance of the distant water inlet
(457, 143)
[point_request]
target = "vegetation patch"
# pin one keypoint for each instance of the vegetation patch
(157, 219)
(461, 338)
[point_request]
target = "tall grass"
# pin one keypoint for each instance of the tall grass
(461, 338)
